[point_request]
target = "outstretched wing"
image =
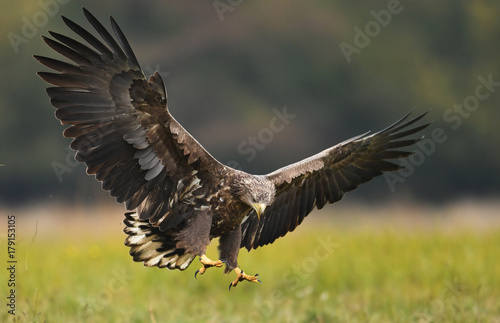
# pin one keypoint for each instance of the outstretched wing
(121, 127)
(325, 177)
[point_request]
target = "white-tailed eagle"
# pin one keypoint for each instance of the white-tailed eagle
(180, 197)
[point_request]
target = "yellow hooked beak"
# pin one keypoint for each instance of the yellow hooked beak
(259, 208)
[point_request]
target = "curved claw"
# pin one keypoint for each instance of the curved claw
(241, 276)
(207, 263)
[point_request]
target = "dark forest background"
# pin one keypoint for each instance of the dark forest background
(340, 68)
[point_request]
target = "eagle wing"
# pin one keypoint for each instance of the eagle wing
(325, 177)
(121, 126)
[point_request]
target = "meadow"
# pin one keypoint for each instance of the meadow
(347, 263)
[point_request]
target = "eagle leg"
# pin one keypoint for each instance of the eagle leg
(241, 276)
(207, 263)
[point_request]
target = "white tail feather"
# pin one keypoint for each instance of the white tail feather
(153, 247)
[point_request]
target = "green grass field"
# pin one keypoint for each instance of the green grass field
(394, 264)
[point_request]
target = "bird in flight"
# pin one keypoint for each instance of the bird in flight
(179, 196)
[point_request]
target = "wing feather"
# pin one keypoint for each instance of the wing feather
(121, 126)
(110, 41)
(89, 38)
(326, 177)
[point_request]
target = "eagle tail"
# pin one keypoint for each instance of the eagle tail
(154, 247)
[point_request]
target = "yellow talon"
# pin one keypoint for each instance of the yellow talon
(241, 276)
(207, 263)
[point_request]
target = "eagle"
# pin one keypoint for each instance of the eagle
(177, 195)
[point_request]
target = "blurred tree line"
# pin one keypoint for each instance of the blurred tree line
(324, 71)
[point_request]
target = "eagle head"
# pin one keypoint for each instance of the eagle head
(255, 191)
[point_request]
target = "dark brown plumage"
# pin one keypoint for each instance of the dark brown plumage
(182, 197)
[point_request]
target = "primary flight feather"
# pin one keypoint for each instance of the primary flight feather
(180, 196)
